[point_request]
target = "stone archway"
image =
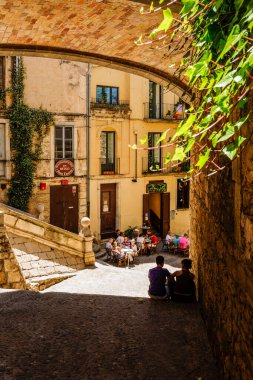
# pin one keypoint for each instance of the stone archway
(101, 31)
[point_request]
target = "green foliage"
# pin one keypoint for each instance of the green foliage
(129, 231)
(28, 127)
(216, 36)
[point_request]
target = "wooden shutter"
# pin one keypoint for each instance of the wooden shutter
(145, 207)
(165, 213)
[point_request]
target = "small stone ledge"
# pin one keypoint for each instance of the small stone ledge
(44, 282)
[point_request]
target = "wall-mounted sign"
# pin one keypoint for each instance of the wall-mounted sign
(156, 187)
(64, 168)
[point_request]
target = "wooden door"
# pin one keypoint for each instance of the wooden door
(108, 210)
(145, 209)
(64, 207)
(165, 213)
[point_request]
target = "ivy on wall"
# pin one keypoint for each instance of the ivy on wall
(28, 128)
(215, 37)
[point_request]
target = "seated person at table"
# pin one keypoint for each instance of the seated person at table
(183, 289)
(120, 239)
(183, 242)
(116, 251)
(176, 240)
(116, 234)
(154, 240)
(169, 237)
(108, 244)
(158, 277)
(134, 247)
(140, 241)
(147, 246)
(126, 243)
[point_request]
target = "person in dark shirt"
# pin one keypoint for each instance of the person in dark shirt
(158, 277)
(183, 289)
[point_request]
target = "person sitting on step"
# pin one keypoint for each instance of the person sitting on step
(158, 278)
(183, 289)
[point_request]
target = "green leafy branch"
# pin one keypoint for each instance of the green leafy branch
(28, 128)
(217, 63)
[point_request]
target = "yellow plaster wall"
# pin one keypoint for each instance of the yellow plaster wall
(108, 77)
(56, 85)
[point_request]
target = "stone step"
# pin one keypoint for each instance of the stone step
(37, 260)
(43, 282)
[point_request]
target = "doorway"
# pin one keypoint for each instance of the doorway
(156, 206)
(64, 207)
(108, 210)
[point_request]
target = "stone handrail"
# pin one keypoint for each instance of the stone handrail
(24, 224)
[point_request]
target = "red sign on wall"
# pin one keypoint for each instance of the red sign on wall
(64, 168)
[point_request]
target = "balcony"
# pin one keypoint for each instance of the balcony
(159, 168)
(121, 106)
(164, 111)
(109, 167)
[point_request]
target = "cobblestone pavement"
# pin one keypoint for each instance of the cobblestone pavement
(101, 325)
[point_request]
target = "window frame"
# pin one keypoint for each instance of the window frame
(185, 194)
(110, 100)
(106, 165)
(151, 153)
(64, 142)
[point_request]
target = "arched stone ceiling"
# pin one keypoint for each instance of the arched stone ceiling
(96, 31)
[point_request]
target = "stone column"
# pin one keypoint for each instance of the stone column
(88, 254)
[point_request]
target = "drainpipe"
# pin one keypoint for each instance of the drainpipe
(88, 75)
(135, 164)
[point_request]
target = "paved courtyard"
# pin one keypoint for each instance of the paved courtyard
(101, 325)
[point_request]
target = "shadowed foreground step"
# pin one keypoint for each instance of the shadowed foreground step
(80, 336)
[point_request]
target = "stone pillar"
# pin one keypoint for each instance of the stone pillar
(88, 254)
(10, 273)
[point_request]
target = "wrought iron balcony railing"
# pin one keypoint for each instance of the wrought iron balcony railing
(164, 111)
(109, 167)
(155, 167)
(121, 105)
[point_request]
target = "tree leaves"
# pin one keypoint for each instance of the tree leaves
(218, 66)
(165, 24)
(231, 150)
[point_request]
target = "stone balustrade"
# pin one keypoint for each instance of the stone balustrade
(25, 225)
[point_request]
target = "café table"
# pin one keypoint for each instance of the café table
(128, 253)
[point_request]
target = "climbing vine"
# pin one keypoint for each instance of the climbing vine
(215, 37)
(28, 127)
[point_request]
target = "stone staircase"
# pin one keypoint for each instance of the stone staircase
(35, 255)
(43, 266)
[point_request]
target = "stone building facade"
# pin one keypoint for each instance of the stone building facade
(123, 109)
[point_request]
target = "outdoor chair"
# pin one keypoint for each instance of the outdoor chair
(108, 254)
(118, 260)
(183, 251)
(140, 248)
(171, 247)
(164, 245)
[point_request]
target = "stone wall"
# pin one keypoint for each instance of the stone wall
(222, 242)
(10, 272)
